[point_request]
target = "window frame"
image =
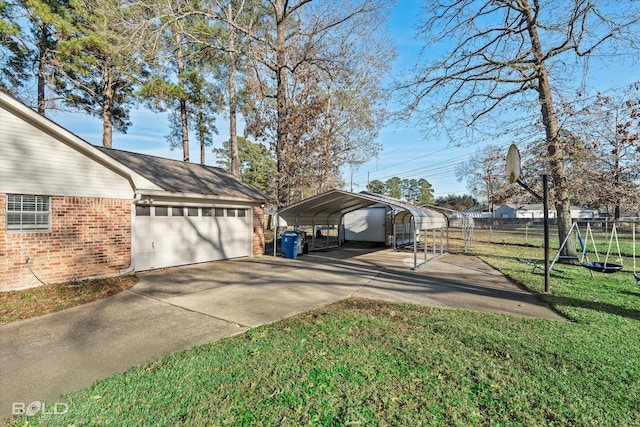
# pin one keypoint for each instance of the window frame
(143, 210)
(41, 217)
(162, 209)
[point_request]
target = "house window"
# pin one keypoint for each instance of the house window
(242, 213)
(28, 213)
(219, 212)
(192, 211)
(162, 211)
(143, 210)
(231, 212)
(177, 211)
(207, 212)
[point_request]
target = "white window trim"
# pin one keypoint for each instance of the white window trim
(42, 217)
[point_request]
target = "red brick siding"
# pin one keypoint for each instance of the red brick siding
(88, 237)
(258, 230)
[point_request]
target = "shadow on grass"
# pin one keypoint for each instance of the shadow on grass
(631, 293)
(613, 309)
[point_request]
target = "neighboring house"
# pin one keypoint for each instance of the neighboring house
(70, 210)
(535, 211)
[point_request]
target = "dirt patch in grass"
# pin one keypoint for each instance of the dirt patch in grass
(24, 304)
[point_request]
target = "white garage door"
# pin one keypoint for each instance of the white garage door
(169, 236)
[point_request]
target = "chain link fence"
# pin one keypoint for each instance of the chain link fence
(608, 235)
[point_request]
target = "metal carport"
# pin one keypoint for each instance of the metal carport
(329, 209)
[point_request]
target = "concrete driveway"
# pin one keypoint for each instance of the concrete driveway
(174, 309)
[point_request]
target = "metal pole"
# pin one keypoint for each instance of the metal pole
(545, 203)
(434, 244)
(426, 233)
(415, 242)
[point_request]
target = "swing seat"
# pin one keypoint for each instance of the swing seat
(602, 267)
(637, 277)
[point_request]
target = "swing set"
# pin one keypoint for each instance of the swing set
(598, 265)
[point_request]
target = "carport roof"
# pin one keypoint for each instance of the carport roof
(329, 207)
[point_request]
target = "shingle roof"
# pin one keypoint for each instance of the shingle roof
(183, 177)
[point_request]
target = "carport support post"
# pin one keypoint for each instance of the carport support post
(415, 243)
(434, 244)
(395, 240)
(426, 233)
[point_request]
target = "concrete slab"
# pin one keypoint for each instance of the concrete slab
(45, 357)
(269, 289)
(458, 281)
(173, 309)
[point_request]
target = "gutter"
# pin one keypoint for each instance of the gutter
(131, 268)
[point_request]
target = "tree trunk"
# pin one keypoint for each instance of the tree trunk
(233, 133)
(107, 108)
(184, 121)
(184, 126)
(281, 104)
(555, 149)
(201, 134)
(42, 68)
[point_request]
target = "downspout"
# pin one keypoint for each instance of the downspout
(136, 198)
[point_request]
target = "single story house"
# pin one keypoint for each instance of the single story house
(535, 211)
(70, 210)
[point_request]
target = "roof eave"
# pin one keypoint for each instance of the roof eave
(209, 197)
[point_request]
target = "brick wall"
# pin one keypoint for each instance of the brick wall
(258, 230)
(88, 237)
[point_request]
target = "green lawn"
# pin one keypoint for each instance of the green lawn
(362, 362)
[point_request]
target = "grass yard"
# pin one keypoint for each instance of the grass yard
(19, 305)
(362, 362)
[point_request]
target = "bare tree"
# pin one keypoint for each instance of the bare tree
(484, 173)
(498, 52)
(610, 127)
(299, 40)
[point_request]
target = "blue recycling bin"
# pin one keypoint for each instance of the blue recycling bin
(290, 242)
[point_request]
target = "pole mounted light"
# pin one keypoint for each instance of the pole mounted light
(513, 175)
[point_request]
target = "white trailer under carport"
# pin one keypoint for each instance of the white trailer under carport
(329, 209)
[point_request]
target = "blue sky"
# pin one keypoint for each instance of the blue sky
(407, 152)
